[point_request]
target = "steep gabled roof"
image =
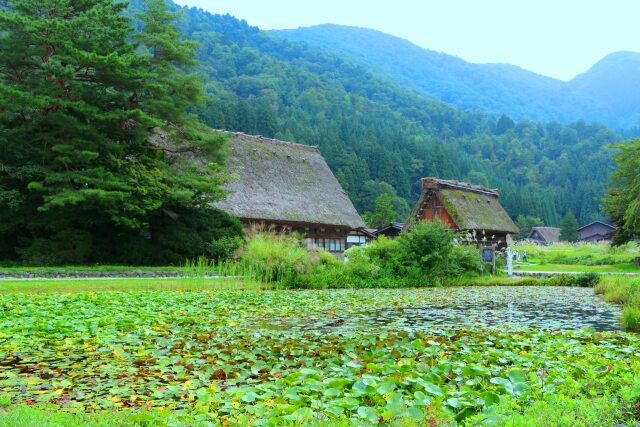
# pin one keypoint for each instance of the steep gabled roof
(597, 222)
(549, 234)
(283, 181)
(472, 207)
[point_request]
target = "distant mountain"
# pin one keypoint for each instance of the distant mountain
(607, 93)
(615, 82)
(380, 136)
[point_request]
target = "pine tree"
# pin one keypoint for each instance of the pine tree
(569, 228)
(80, 106)
(622, 202)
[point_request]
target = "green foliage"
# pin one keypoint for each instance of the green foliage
(285, 357)
(275, 257)
(383, 212)
(425, 256)
(80, 109)
(581, 254)
(427, 251)
(585, 280)
(631, 318)
(625, 291)
(569, 228)
(622, 202)
(373, 132)
(606, 93)
(525, 224)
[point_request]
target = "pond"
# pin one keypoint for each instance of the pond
(517, 307)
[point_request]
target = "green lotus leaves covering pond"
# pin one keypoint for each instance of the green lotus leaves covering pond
(365, 357)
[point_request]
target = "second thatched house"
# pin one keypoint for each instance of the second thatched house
(464, 207)
(289, 187)
(544, 235)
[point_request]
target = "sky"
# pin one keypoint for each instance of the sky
(556, 38)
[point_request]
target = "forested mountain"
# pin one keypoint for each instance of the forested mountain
(379, 137)
(607, 93)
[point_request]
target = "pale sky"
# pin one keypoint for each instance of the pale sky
(557, 38)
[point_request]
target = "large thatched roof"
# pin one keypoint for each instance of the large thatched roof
(472, 207)
(286, 182)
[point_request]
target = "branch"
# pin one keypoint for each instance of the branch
(14, 77)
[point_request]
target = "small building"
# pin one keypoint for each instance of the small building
(597, 231)
(391, 230)
(361, 236)
(544, 235)
(289, 187)
(464, 207)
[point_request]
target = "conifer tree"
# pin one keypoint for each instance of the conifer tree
(80, 109)
(569, 228)
(622, 202)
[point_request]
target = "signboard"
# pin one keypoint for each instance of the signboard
(488, 256)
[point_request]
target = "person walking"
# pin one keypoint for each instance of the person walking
(524, 256)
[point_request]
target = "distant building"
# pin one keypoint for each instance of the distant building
(544, 235)
(464, 207)
(289, 187)
(391, 230)
(596, 231)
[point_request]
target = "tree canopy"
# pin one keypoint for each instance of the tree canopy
(569, 228)
(80, 108)
(622, 202)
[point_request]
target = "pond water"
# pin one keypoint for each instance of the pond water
(495, 307)
(516, 307)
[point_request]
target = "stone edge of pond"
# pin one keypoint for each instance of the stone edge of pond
(88, 274)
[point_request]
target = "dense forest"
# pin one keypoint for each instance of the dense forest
(607, 92)
(100, 120)
(381, 138)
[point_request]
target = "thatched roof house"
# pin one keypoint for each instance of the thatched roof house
(288, 186)
(463, 207)
(544, 235)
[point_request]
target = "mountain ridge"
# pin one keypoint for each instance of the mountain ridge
(493, 87)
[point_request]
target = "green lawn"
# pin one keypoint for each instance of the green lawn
(616, 268)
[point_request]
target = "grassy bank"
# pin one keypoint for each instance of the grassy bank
(582, 254)
(560, 268)
(625, 291)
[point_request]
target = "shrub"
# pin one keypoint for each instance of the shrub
(63, 247)
(631, 318)
(426, 250)
(585, 280)
(270, 257)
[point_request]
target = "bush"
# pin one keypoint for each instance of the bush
(585, 280)
(427, 249)
(270, 257)
(425, 256)
(631, 318)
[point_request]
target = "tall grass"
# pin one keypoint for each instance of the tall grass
(624, 291)
(267, 261)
